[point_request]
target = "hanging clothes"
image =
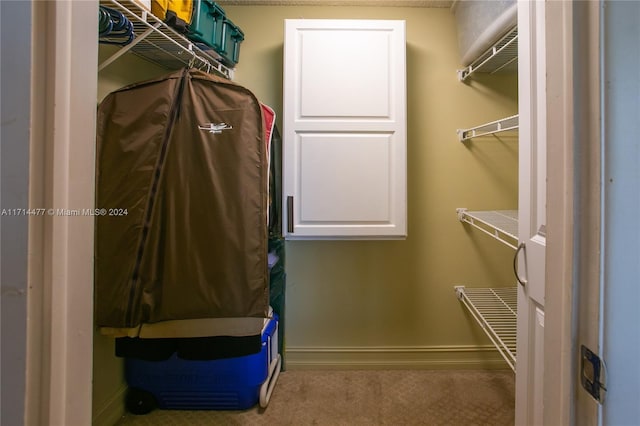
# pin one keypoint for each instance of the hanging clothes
(182, 172)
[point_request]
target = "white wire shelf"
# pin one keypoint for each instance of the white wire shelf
(495, 309)
(499, 224)
(501, 57)
(502, 125)
(156, 42)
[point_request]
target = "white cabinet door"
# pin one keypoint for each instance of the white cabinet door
(344, 129)
(532, 211)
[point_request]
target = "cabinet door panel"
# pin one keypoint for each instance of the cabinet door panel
(344, 129)
(346, 186)
(354, 61)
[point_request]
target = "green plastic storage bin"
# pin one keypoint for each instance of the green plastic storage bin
(207, 24)
(232, 38)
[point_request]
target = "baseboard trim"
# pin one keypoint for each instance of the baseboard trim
(112, 410)
(457, 357)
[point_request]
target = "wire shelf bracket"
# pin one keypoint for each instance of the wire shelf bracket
(501, 225)
(156, 42)
(495, 309)
(502, 125)
(502, 56)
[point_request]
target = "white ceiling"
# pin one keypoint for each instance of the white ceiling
(404, 3)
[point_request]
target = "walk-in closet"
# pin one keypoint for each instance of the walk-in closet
(318, 212)
(377, 287)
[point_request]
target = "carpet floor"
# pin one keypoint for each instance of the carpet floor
(367, 397)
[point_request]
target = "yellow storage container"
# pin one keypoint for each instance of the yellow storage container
(176, 13)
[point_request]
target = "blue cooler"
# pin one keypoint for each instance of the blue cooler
(223, 384)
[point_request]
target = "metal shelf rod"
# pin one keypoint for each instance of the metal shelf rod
(155, 28)
(506, 64)
(501, 331)
(502, 125)
(127, 48)
(499, 224)
(504, 52)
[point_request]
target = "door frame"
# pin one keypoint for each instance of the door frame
(61, 175)
(573, 206)
(558, 374)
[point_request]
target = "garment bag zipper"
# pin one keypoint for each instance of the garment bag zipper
(135, 277)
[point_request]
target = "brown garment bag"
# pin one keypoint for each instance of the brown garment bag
(182, 173)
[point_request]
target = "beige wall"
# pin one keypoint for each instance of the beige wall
(391, 303)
